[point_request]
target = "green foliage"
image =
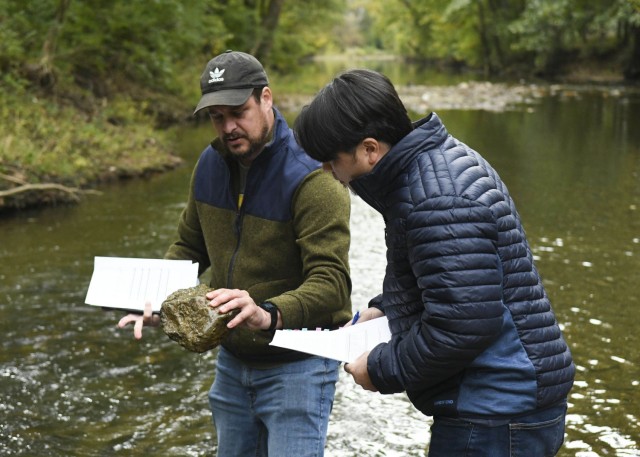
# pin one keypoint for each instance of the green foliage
(402, 26)
(162, 45)
(87, 76)
(83, 82)
(22, 26)
(103, 43)
(542, 30)
(50, 142)
(144, 42)
(551, 29)
(497, 35)
(100, 41)
(305, 31)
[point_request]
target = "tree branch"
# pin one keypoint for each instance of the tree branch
(73, 192)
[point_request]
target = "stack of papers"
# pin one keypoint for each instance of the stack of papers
(345, 344)
(127, 283)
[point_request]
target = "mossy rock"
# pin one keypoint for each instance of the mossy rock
(188, 319)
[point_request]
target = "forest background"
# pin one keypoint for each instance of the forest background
(88, 89)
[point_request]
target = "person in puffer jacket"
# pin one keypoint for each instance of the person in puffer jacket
(474, 343)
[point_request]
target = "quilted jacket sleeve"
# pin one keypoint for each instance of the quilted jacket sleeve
(451, 245)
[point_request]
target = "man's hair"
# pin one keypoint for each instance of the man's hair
(356, 105)
(257, 93)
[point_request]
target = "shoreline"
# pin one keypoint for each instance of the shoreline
(419, 99)
(481, 95)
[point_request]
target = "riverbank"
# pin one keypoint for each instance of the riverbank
(478, 95)
(56, 151)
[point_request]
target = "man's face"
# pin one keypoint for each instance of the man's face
(346, 166)
(244, 129)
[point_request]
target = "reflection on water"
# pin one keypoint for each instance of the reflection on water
(72, 384)
(365, 423)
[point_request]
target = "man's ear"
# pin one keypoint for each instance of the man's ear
(267, 97)
(374, 150)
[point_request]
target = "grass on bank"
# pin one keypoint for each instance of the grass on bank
(45, 141)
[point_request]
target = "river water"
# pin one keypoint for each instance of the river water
(72, 384)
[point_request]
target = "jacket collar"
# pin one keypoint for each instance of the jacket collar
(375, 186)
(278, 137)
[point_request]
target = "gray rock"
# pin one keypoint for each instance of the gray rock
(188, 319)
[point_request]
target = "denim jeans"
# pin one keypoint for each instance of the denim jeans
(539, 434)
(282, 411)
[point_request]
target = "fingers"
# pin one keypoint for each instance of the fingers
(249, 313)
(122, 323)
(139, 321)
(244, 315)
(363, 316)
(234, 303)
(370, 313)
(137, 328)
(148, 311)
(225, 300)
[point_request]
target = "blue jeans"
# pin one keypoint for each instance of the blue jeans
(539, 434)
(281, 411)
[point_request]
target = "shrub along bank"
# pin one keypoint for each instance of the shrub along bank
(55, 149)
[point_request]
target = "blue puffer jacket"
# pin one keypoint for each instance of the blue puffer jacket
(474, 335)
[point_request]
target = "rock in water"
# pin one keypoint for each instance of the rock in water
(188, 319)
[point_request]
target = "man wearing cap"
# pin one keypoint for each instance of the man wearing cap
(258, 216)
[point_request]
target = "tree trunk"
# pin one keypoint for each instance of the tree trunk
(267, 30)
(484, 40)
(632, 69)
(46, 75)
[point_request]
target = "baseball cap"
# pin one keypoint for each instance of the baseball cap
(229, 78)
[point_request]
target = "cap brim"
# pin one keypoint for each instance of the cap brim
(231, 97)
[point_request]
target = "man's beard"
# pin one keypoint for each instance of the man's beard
(255, 145)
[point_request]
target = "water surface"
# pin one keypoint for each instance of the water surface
(72, 384)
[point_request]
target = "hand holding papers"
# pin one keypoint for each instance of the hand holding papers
(127, 283)
(345, 344)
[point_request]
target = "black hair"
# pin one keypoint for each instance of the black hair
(356, 105)
(257, 93)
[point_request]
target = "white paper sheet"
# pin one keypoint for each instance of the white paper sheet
(345, 344)
(128, 283)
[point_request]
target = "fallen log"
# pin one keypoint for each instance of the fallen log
(23, 186)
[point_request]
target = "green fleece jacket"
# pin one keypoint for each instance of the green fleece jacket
(287, 244)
